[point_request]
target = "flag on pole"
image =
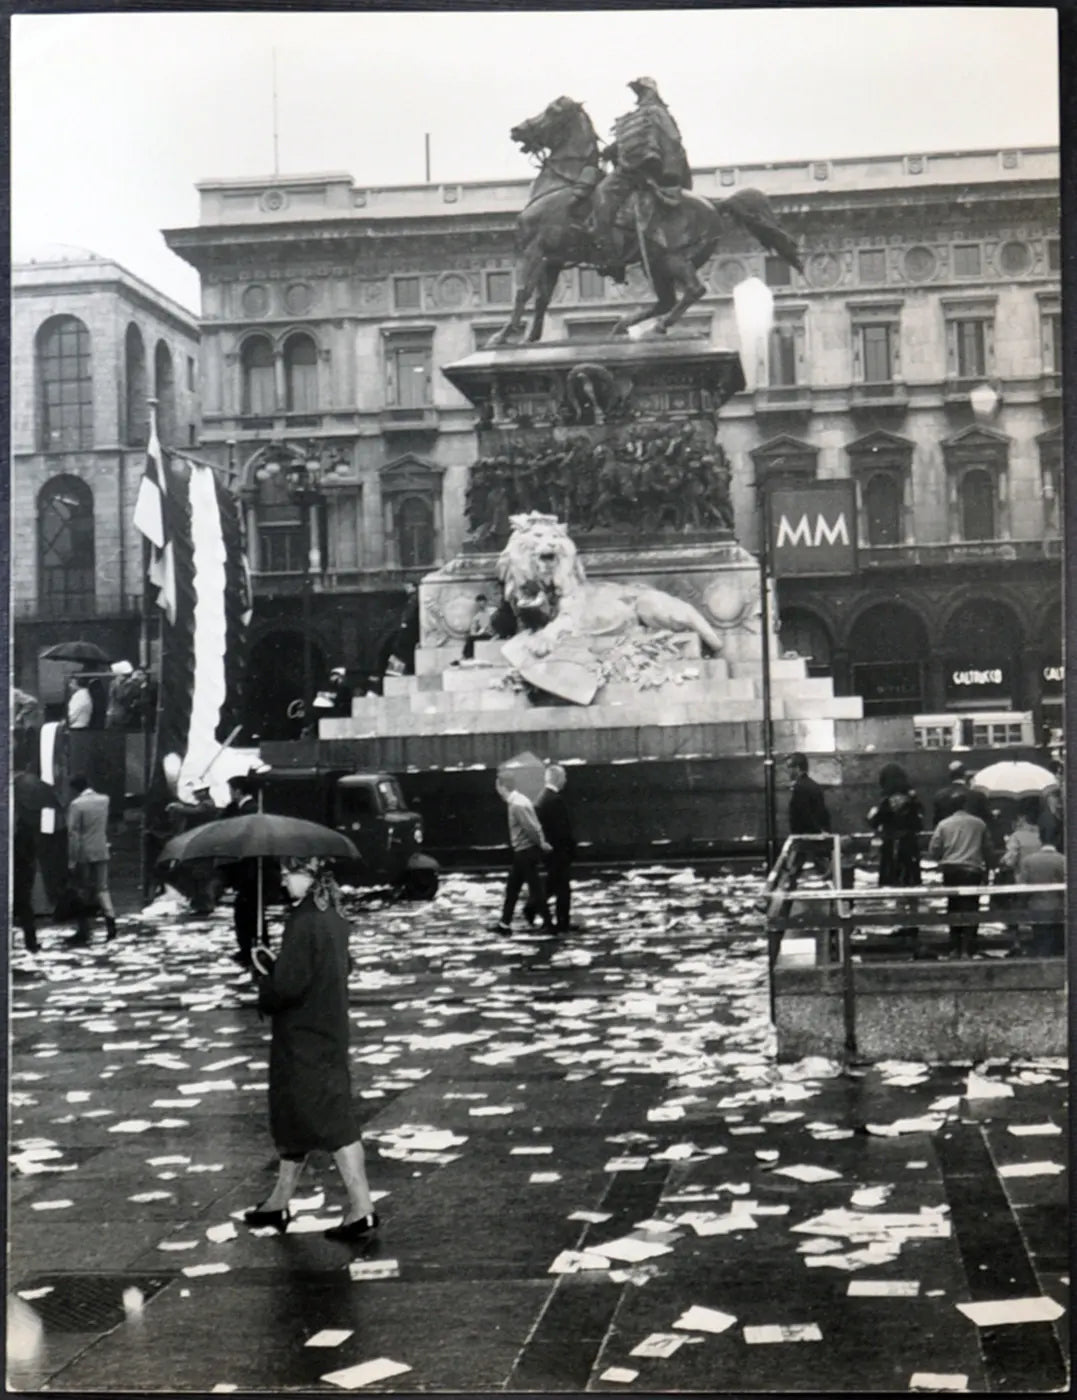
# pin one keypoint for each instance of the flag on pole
(202, 568)
(151, 521)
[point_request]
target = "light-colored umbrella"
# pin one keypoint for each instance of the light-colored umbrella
(528, 772)
(1014, 778)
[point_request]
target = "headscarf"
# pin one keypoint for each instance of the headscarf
(324, 890)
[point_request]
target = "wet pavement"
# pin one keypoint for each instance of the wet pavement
(594, 1174)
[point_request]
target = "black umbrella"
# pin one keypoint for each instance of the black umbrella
(85, 652)
(259, 834)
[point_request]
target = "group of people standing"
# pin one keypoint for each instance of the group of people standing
(961, 842)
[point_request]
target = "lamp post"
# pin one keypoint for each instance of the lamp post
(303, 470)
(769, 782)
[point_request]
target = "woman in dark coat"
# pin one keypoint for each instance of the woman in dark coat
(304, 989)
(899, 819)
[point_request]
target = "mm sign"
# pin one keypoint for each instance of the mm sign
(813, 528)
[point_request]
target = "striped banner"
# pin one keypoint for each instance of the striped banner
(203, 637)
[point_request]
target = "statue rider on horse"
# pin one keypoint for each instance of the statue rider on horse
(571, 218)
(648, 157)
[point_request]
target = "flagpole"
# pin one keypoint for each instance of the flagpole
(149, 722)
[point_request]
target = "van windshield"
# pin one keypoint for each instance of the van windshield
(391, 796)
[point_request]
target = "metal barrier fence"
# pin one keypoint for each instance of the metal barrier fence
(833, 913)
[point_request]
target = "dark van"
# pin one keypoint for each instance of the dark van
(370, 809)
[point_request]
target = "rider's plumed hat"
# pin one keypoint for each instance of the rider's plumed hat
(637, 83)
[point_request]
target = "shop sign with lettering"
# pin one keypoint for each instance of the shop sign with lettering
(813, 528)
(976, 681)
(1053, 678)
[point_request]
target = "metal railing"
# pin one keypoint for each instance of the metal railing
(833, 913)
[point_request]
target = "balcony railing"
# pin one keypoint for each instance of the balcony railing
(904, 556)
(71, 607)
(885, 394)
(784, 398)
(408, 420)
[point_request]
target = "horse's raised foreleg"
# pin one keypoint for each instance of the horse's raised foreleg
(529, 267)
(547, 281)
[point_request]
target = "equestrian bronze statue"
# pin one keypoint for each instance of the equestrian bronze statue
(655, 221)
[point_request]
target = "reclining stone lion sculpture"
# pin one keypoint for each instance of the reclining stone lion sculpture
(567, 618)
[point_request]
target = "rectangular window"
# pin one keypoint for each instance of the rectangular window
(1054, 255)
(281, 549)
(877, 357)
(190, 373)
(499, 287)
(873, 265)
(971, 351)
(412, 367)
(777, 273)
(407, 293)
(192, 435)
(1054, 326)
(782, 357)
(966, 260)
(592, 284)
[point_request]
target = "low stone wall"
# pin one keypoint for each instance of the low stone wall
(926, 1011)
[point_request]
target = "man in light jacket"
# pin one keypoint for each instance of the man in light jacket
(87, 854)
(962, 846)
(528, 845)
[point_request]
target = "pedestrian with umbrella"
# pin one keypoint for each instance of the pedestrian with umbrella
(304, 989)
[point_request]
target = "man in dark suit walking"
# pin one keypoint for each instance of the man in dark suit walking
(808, 814)
(552, 812)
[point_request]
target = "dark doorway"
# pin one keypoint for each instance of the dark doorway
(888, 648)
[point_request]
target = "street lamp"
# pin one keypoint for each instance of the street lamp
(303, 469)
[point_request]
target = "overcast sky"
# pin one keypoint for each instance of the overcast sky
(116, 116)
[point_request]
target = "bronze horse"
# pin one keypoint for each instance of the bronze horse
(552, 233)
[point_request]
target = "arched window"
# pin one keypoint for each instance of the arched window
(65, 547)
(300, 375)
(883, 509)
(888, 647)
(259, 392)
(977, 505)
(415, 531)
(165, 390)
(65, 385)
(134, 357)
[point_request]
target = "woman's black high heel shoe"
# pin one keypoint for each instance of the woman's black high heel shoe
(259, 1219)
(356, 1230)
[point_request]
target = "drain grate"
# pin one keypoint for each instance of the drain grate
(88, 1302)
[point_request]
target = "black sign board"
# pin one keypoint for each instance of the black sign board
(974, 682)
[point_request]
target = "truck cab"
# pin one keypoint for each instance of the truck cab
(368, 808)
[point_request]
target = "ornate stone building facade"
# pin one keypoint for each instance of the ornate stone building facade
(919, 354)
(90, 343)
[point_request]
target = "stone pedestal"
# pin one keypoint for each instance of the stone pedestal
(620, 441)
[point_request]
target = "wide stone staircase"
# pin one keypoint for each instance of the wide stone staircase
(450, 696)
